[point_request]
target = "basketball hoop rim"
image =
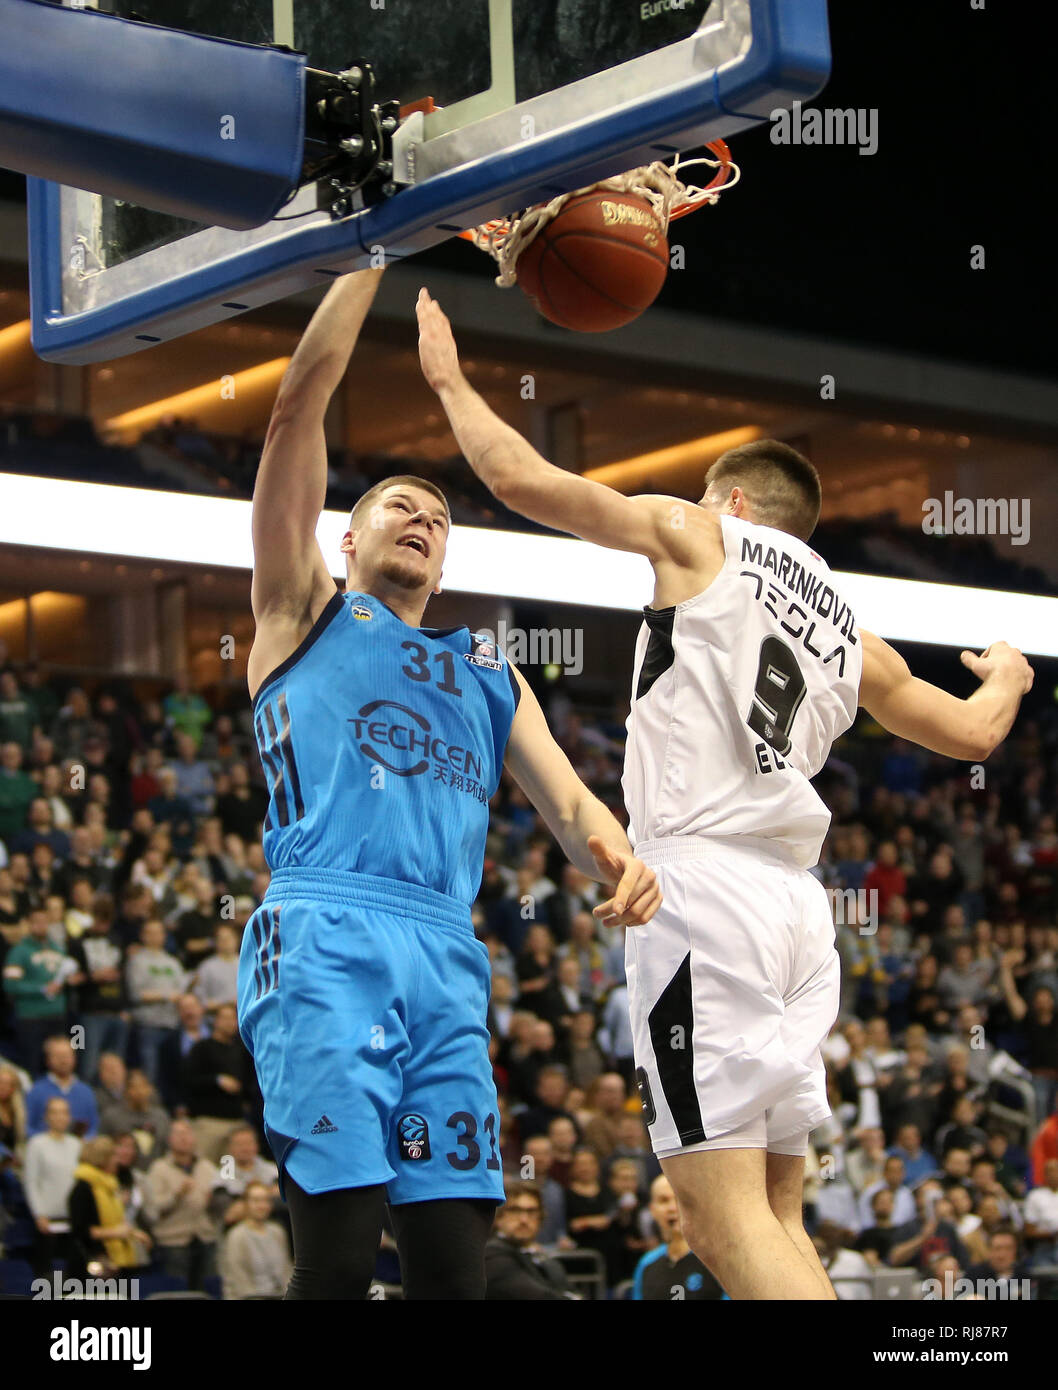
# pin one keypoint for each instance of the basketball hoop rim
(505, 238)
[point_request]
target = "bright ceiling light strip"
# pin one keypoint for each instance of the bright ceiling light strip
(134, 523)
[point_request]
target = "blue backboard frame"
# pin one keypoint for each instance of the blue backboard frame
(674, 100)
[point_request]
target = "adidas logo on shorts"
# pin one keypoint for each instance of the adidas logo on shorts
(323, 1126)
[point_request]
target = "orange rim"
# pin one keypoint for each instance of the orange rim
(717, 147)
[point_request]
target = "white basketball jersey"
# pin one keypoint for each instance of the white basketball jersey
(738, 695)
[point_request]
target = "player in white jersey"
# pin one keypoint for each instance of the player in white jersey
(748, 666)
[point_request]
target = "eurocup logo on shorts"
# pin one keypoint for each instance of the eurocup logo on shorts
(414, 1135)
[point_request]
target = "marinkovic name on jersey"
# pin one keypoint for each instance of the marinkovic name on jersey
(739, 693)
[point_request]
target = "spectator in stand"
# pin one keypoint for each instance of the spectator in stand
(216, 980)
(552, 1088)
(1003, 1267)
(48, 1178)
(586, 1062)
(1012, 1167)
(77, 916)
(195, 927)
(255, 1257)
(12, 1112)
(1041, 1217)
(186, 712)
(903, 1208)
(606, 1102)
(144, 769)
(541, 1155)
(543, 1052)
(628, 1241)
(536, 967)
(73, 724)
(932, 893)
(575, 894)
(918, 1163)
(100, 958)
(241, 1166)
(224, 747)
(40, 830)
(155, 872)
(136, 908)
(60, 1082)
(848, 1270)
(194, 778)
(564, 1138)
(169, 808)
(1039, 1024)
(172, 1055)
(110, 1087)
(517, 1269)
(18, 716)
(583, 947)
(885, 877)
(672, 1266)
(589, 1214)
(615, 1036)
(241, 806)
(865, 1164)
(40, 695)
(964, 980)
(923, 1005)
(932, 1233)
(17, 791)
(180, 1206)
(155, 980)
(218, 1083)
(35, 976)
(140, 1115)
(962, 1130)
(104, 1241)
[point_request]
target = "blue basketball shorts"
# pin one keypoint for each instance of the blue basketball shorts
(363, 1002)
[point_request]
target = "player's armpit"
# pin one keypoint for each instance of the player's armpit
(915, 710)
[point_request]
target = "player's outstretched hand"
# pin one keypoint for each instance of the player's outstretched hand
(636, 895)
(1001, 657)
(438, 355)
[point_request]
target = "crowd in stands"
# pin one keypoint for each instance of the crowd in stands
(131, 1133)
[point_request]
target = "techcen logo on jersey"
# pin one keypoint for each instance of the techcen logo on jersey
(388, 728)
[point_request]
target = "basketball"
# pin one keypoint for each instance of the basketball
(599, 264)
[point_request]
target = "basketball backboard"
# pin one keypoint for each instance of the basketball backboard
(529, 98)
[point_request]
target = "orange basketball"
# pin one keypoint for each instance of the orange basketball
(598, 264)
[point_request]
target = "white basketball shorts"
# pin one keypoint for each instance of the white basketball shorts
(733, 987)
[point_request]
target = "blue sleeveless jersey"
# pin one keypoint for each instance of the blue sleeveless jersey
(382, 744)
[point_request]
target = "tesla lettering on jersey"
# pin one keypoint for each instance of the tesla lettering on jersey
(402, 741)
(793, 616)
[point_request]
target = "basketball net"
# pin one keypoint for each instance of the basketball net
(658, 184)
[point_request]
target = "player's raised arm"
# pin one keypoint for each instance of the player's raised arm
(967, 729)
(589, 835)
(517, 476)
(291, 485)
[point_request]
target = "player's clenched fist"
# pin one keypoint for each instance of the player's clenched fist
(1001, 659)
(636, 895)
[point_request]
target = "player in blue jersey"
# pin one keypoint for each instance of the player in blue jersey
(362, 987)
